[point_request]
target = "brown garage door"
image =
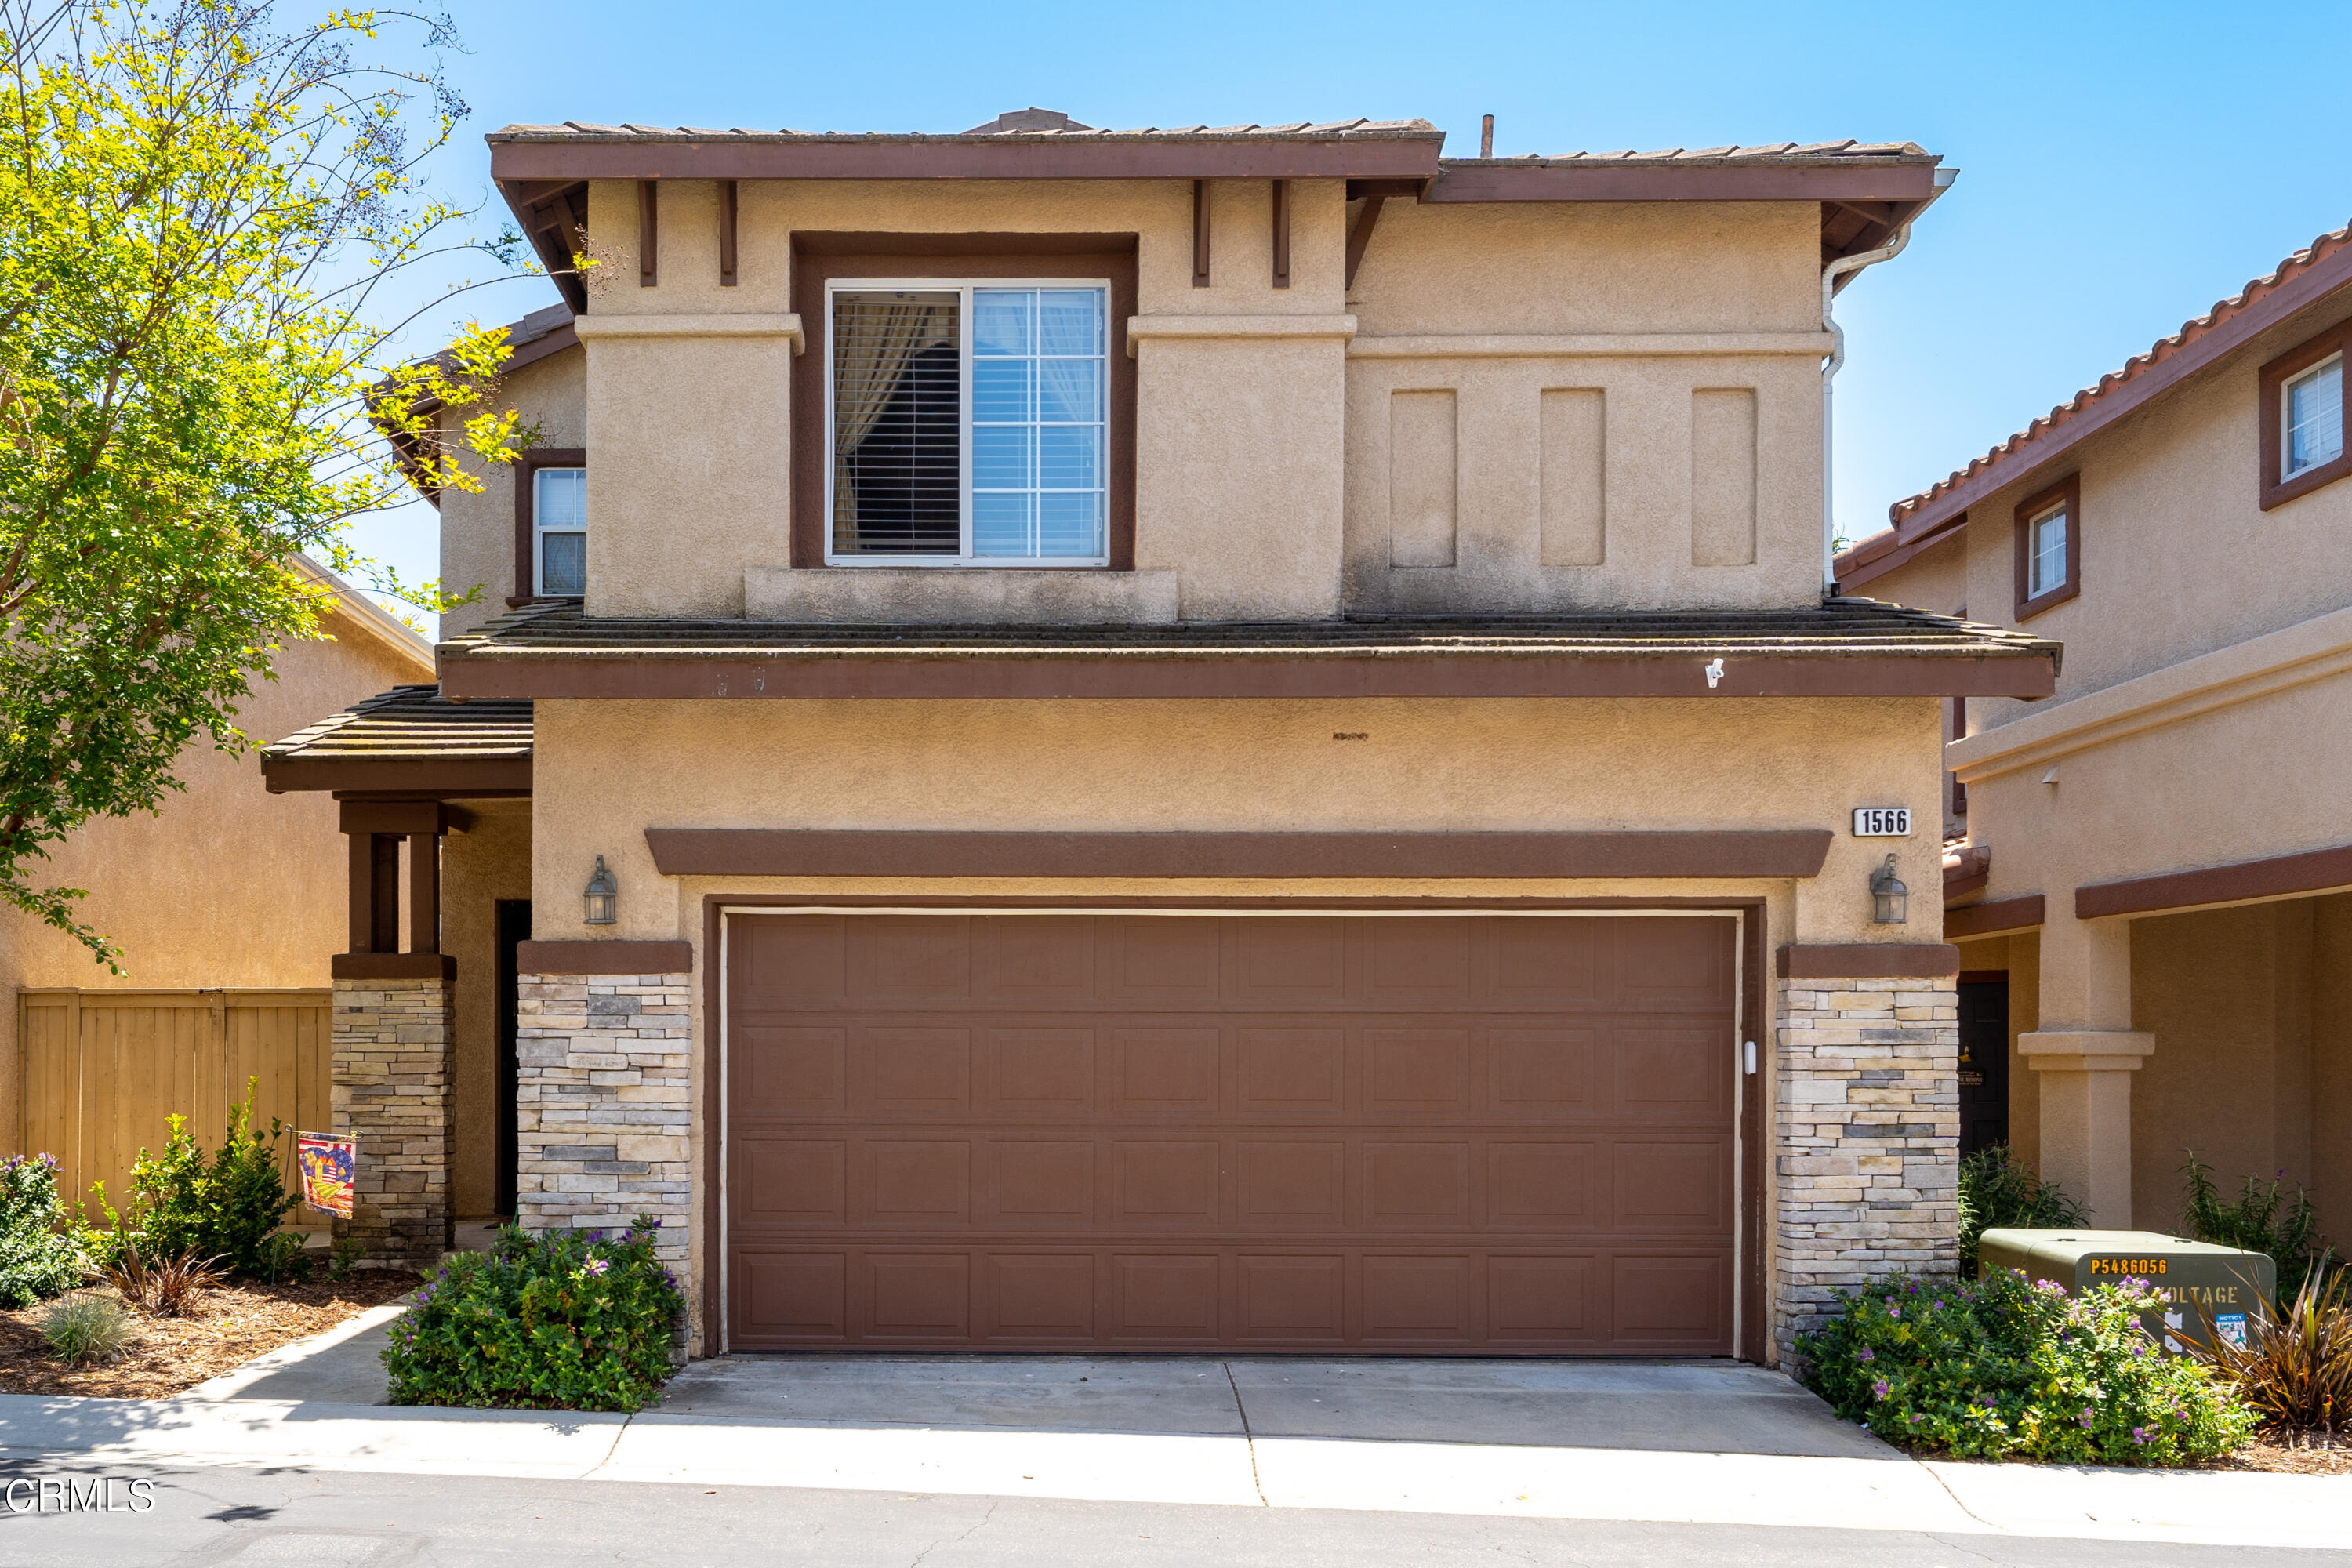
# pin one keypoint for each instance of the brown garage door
(1495, 1133)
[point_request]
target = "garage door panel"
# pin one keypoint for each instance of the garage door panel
(924, 1182)
(1417, 1300)
(1038, 1296)
(916, 1070)
(1040, 1070)
(1468, 1135)
(1040, 1183)
(1416, 1185)
(1541, 1075)
(1169, 1071)
(1288, 1184)
(1290, 1300)
(1294, 961)
(1043, 958)
(792, 1071)
(1163, 1184)
(1291, 1072)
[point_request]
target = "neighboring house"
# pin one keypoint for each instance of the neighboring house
(221, 891)
(2151, 897)
(1163, 740)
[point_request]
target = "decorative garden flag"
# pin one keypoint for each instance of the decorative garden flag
(327, 1162)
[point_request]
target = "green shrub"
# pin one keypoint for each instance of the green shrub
(560, 1320)
(84, 1329)
(36, 1261)
(1999, 1190)
(225, 1207)
(2262, 1218)
(2000, 1368)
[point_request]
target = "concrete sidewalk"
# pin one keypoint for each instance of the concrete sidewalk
(1700, 1444)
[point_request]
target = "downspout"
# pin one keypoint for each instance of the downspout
(1830, 275)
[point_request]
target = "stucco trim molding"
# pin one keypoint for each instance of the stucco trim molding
(2239, 883)
(865, 595)
(2260, 666)
(813, 852)
(1996, 918)
(2085, 1050)
(1149, 329)
(749, 325)
(605, 957)
(392, 966)
(1590, 345)
(1869, 961)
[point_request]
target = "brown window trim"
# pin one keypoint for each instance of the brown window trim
(817, 258)
(2070, 490)
(526, 473)
(2272, 381)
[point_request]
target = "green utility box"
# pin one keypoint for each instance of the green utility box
(2208, 1288)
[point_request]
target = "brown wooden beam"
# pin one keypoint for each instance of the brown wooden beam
(1281, 233)
(1361, 235)
(2242, 881)
(727, 189)
(1200, 234)
(384, 892)
(1993, 919)
(648, 232)
(424, 892)
(362, 935)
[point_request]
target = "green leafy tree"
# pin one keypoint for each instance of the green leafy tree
(201, 212)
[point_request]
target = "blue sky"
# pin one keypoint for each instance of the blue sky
(2122, 166)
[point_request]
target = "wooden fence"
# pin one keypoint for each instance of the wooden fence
(103, 1069)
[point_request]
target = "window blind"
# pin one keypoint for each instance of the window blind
(897, 423)
(2314, 418)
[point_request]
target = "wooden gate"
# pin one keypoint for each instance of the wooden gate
(103, 1069)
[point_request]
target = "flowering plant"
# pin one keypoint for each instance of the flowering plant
(555, 1320)
(35, 1259)
(2000, 1367)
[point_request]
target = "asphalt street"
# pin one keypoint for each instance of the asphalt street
(347, 1519)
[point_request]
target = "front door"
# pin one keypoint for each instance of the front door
(1984, 1061)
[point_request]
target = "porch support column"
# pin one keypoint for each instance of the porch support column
(394, 1035)
(2083, 1057)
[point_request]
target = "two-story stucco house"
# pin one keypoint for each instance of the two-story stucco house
(2154, 899)
(1173, 739)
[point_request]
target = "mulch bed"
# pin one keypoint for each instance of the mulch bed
(233, 1324)
(2302, 1454)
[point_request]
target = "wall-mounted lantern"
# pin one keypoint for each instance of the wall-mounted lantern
(1888, 896)
(603, 899)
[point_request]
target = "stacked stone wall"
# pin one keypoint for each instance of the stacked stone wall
(1867, 1123)
(604, 1099)
(391, 1093)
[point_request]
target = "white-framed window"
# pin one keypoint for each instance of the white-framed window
(966, 424)
(2311, 417)
(558, 514)
(2045, 544)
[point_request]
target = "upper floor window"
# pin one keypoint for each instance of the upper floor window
(967, 423)
(2314, 417)
(2303, 417)
(2049, 547)
(560, 523)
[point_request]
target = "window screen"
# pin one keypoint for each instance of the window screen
(2314, 418)
(2046, 569)
(969, 422)
(560, 510)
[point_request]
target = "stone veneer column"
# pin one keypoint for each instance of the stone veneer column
(1868, 1151)
(603, 1102)
(391, 1092)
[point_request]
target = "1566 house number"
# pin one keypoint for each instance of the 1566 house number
(1881, 822)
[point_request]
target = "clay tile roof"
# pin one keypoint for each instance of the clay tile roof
(584, 130)
(413, 724)
(1769, 152)
(2212, 329)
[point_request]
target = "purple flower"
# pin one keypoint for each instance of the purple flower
(1882, 1388)
(1893, 1311)
(1867, 1355)
(2086, 1416)
(597, 1266)
(2139, 1435)
(2140, 1349)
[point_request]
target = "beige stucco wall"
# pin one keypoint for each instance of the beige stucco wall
(227, 885)
(1253, 442)
(607, 771)
(478, 526)
(488, 862)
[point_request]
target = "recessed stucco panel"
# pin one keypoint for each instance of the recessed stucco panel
(1572, 467)
(1422, 477)
(1723, 477)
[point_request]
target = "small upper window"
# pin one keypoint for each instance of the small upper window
(967, 423)
(2049, 546)
(2312, 418)
(2045, 545)
(560, 519)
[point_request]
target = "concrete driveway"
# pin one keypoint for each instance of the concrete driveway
(1670, 1406)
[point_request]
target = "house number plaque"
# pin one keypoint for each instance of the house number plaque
(1881, 822)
